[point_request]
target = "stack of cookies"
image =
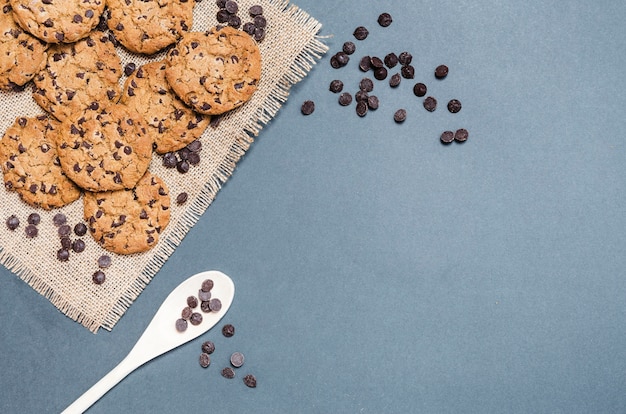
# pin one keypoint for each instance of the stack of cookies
(97, 136)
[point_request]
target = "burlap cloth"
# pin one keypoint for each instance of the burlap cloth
(290, 49)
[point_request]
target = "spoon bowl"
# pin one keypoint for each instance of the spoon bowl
(161, 335)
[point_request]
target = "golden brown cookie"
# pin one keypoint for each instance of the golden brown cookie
(215, 71)
(105, 150)
(79, 76)
(21, 54)
(58, 21)
(31, 166)
(129, 221)
(147, 26)
(172, 124)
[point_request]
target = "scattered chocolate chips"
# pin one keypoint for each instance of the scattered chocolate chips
(400, 115)
(308, 107)
(454, 106)
(13, 222)
(237, 359)
(250, 381)
(98, 278)
(384, 19)
(430, 104)
(228, 330)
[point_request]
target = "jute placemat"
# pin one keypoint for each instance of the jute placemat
(290, 49)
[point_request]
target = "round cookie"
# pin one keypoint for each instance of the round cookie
(79, 76)
(129, 221)
(172, 124)
(58, 21)
(31, 166)
(21, 55)
(215, 71)
(149, 26)
(105, 150)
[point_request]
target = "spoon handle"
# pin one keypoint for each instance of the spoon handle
(93, 394)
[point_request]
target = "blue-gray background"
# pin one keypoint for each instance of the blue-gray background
(378, 271)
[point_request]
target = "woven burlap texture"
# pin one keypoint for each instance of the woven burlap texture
(289, 51)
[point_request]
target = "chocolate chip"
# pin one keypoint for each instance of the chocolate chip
(63, 255)
(430, 104)
(170, 160)
(365, 63)
(205, 360)
(181, 198)
(380, 73)
(342, 59)
(400, 115)
(104, 261)
(181, 325)
(129, 68)
(208, 347)
(231, 7)
(345, 99)
(64, 230)
(259, 22)
(441, 71)
(395, 79)
(259, 34)
(228, 372)
(31, 231)
(59, 219)
(207, 285)
(461, 135)
(237, 359)
(255, 10)
(80, 229)
(361, 96)
(78, 245)
(349, 48)
(234, 21)
(215, 305)
(204, 296)
(193, 158)
(192, 301)
(372, 102)
(34, 219)
(66, 242)
(228, 330)
(196, 318)
(308, 107)
(366, 85)
(204, 306)
(419, 89)
(391, 60)
(250, 381)
(336, 86)
(447, 137)
(384, 19)
(360, 33)
(182, 166)
(405, 58)
(361, 108)
(222, 16)
(454, 106)
(13, 222)
(407, 71)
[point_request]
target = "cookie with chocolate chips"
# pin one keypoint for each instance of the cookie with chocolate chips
(106, 150)
(215, 71)
(171, 123)
(21, 54)
(31, 166)
(58, 21)
(79, 76)
(149, 26)
(129, 221)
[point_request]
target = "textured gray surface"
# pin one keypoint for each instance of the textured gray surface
(380, 271)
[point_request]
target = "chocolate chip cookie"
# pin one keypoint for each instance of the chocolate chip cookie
(215, 71)
(58, 21)
(31, 166)
(105, 150)
(21, 54)
(171, 123)
(79, 76)
(149, 26)
(129, 221)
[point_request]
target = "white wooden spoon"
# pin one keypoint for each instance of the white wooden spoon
(161, 335)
